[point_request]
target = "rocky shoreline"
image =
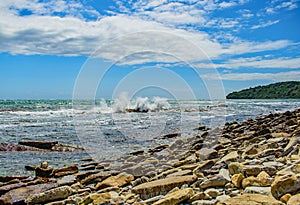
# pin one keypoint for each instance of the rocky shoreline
(252, 162)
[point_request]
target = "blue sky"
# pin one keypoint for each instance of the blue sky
(207, 46)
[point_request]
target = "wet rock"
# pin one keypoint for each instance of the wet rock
(158, 148)
(9, 147)
(66, 180)
(9, 178)
(162, 186)
(50, 195)
(118, 181)
(203, 166)
(285, 184)
(215, 181)
(44, 170)
(294, 200)
(8, 187)
(176, 197)
(171, 135)
(39, 144)
(256, 199)
(65, 171)
(18, 195)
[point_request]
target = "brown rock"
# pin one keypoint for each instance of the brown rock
(285, 198)
(230, 157)
(215, 181)
(50, 195)
(162, 186)
(262, 179)
(207, 153)
(251, 199)
(94, 177)
(39, 144)
(18, 196)
(285, 184)
(294, 200)
(65, 171)
(235, 168)
(9, 178)
(9, 147)
(176, 197)
(237, 179)
(118, 181)
(203, 166)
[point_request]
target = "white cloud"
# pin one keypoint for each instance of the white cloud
(71, 35)
(282, 76)
(255, 62)
(266, 24)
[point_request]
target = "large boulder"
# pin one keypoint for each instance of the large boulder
(162, 186)
(18, 196)
(50, 195)
(251, 199)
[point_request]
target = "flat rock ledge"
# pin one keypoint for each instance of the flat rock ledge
(254, 162)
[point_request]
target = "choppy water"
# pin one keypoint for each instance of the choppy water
(107, 128)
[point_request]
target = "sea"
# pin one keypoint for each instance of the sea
(109, 129)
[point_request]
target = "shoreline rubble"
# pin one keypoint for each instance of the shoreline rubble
(256, 161)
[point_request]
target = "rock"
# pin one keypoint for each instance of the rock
(8, 187)
(285, 184)
(215, 181)
(139, 170)
(258, 190)
(50, 195)
(66, 180)
(44, 170)
(285, 198)
(262, 179)
(225, 174)
(204, 202)
(18, 196)
(95, 198)
(203, 166)
(118, 181)
(9, 178)
(39, 144)
(294, 200)
(158, 148)
(9, 147)
(162, 186)
(180, 173)
(280, 135)
(207, 153)
(95, 177)
(251, 199)
(65, 171)
(222, 198)
(289, 147)
(171, 135)
(254, 170)
(235, 168)
(199, 196)
(176, 197)
(230, 157)
(237, 179)
(212, 192)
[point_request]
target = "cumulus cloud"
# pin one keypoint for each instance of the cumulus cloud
(120, 36)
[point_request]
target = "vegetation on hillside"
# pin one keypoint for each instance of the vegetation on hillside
(282, 90)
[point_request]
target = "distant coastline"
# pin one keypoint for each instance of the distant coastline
(281, 90)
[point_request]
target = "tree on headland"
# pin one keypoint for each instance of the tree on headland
(281, 90)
